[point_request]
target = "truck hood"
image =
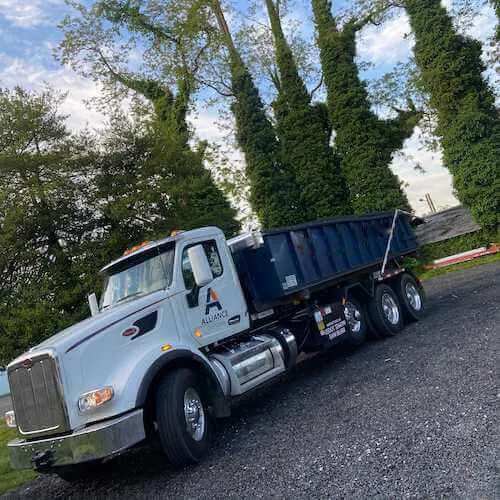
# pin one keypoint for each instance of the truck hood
(78, 332)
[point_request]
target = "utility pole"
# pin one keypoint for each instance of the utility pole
(430, 203)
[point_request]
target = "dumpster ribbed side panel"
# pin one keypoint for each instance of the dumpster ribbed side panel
(300, 257)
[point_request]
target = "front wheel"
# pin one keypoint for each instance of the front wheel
(184, 424)
(411, 296)
(385, 311)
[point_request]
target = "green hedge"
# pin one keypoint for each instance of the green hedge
(427, 253)
(462, 243)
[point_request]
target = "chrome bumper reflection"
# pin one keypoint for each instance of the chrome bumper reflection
(97, 441)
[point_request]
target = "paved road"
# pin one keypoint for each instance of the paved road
(412, 416)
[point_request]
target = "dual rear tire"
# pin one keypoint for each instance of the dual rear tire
(391, 306)
(385, 311)
(411, 296)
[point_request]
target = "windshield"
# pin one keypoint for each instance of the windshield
(139, 275)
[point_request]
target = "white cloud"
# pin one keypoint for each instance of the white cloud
(484, 24)
(16, 71)
(440, 189)
(436, 180)
(26, 13)
(386, 43)
(204, 122)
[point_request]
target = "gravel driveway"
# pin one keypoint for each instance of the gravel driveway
(411, 416)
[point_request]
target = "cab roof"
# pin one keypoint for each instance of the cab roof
(179, 236)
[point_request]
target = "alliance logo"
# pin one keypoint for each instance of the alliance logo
(212, 301)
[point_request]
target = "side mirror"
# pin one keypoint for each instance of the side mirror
(200, 266)
(93, 305)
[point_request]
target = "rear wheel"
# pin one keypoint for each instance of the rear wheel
(184, 424)
(411, 296)
(385, 311)
(355, 316)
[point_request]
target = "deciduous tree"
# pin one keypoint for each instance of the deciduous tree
(180, 183)
(45, 220)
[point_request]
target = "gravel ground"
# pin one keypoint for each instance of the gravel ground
(411, 416)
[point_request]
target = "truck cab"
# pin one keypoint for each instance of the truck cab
(152, 311)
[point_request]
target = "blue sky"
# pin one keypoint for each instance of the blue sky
(28, 35)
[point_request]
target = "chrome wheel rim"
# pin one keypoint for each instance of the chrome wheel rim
(390, 308)
(194, 414)
(413, 296)
(353, 317)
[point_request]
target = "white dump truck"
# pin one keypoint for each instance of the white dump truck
(186, 324)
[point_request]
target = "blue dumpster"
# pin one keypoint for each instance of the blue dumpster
(277, 264)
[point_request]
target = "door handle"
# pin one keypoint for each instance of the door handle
(234, 320)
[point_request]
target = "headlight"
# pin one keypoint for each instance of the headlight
(93, 399)
(10, 419)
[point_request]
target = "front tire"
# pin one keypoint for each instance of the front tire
(411, 296)
(184, 424)
(385, 311)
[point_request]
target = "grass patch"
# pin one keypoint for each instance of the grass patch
(432, 273)
(9, 478)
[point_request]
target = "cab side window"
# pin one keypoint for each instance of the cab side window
(214, 260)
(187, 272)
(213, 257)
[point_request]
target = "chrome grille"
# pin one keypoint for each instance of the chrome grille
(37, 396)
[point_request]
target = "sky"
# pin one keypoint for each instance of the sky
(29, 35)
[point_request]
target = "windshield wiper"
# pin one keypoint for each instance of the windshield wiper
(136, 294)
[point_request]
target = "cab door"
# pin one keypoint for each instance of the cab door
(217, 310)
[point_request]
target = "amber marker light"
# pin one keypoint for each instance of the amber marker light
(197, 333)
(175, 232)
(136, 247)
(166, 347)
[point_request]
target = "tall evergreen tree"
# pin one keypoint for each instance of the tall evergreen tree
(468, 121)
(365, 142)
(274, 196)
(304, 140)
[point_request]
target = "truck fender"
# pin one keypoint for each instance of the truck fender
(177, 358)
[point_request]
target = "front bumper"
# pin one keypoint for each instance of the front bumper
(100, 440)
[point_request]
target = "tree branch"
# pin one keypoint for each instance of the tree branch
(150, 89)
(373, 15)
(211, 85)
(318, 86)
